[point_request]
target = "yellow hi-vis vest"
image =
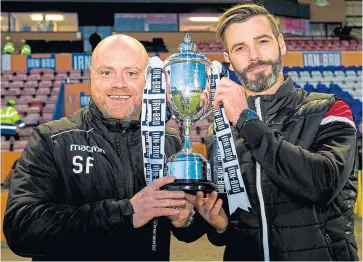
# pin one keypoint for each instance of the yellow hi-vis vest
(26, 50)
(9, 119)
(9, 48)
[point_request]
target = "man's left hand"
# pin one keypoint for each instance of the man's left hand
(233, 98)
(185, 212)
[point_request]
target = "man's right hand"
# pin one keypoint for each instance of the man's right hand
(150, 202)
(232, 96)
(210, 209)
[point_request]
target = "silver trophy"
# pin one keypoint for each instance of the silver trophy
(187, 76)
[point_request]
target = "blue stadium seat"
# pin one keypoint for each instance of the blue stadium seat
(330, 68)
(354, 68)
(321, 88)
(309, 68)
(339, 68)
(233, 77)
(335, 89)
(357, 105)
(320, 68)
(309, 88)
(286, 69)
(296, 69)
(347, 97)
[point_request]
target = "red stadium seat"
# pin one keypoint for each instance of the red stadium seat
(31, 84)
(55, 90)
(24, 99)
(75, 76)
(22, 108)
(196, 139)
(53, 99)
(21, 77)
(6, 77)
(43, 91)
(57, 83)
(202, 124)
(19, 145)
(61, 76)
(49, 108)
(75, 71)
(4, 84)
(12, 92)
(42, 70)
(39, 99)
(10, 97)
(47, 70)
(28, 91)
(47, 77)
(33, 77)
(173, 124)
(8, 72)
(31, 119)
(203, 132)
(46, 117)
(45, 84)
(88, 76)
(16, 84)
(5, 146)
(86, 71)
(34, 109)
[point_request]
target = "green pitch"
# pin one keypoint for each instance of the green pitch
(188, 106)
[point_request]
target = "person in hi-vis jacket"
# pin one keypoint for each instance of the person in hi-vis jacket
(10, 119)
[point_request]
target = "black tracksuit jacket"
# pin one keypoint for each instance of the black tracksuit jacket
(70, 195)
(301, 155)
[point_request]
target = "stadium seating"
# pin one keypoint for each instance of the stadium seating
(209, 46)
(5, 146)
(330, 44)
(296, 44)
(19, 145)
(37, 92)
(343, 81)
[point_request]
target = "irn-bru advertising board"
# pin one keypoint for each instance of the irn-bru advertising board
(83, 61)
(75, 97)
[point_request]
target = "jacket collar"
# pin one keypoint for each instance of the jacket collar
(270, 104)
(110, 124)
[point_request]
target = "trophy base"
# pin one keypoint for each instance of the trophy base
(191, 186)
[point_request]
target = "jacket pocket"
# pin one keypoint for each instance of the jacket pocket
(330, 247)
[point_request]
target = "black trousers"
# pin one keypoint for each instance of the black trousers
(7, 136)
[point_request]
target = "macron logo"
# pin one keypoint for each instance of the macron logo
(84, 148)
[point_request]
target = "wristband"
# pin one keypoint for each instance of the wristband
(190, 220)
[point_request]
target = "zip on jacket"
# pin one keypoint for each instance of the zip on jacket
(266, 249)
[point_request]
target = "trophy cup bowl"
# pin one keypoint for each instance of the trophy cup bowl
(187, 75)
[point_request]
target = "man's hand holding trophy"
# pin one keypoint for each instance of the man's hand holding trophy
(190, 86)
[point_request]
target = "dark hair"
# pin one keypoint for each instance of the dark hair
(242, 13)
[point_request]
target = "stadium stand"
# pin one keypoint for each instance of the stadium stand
(343, 81)
(297, 44)
(36, 92)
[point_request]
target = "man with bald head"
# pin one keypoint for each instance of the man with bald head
(118, 63)
(79, 191)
